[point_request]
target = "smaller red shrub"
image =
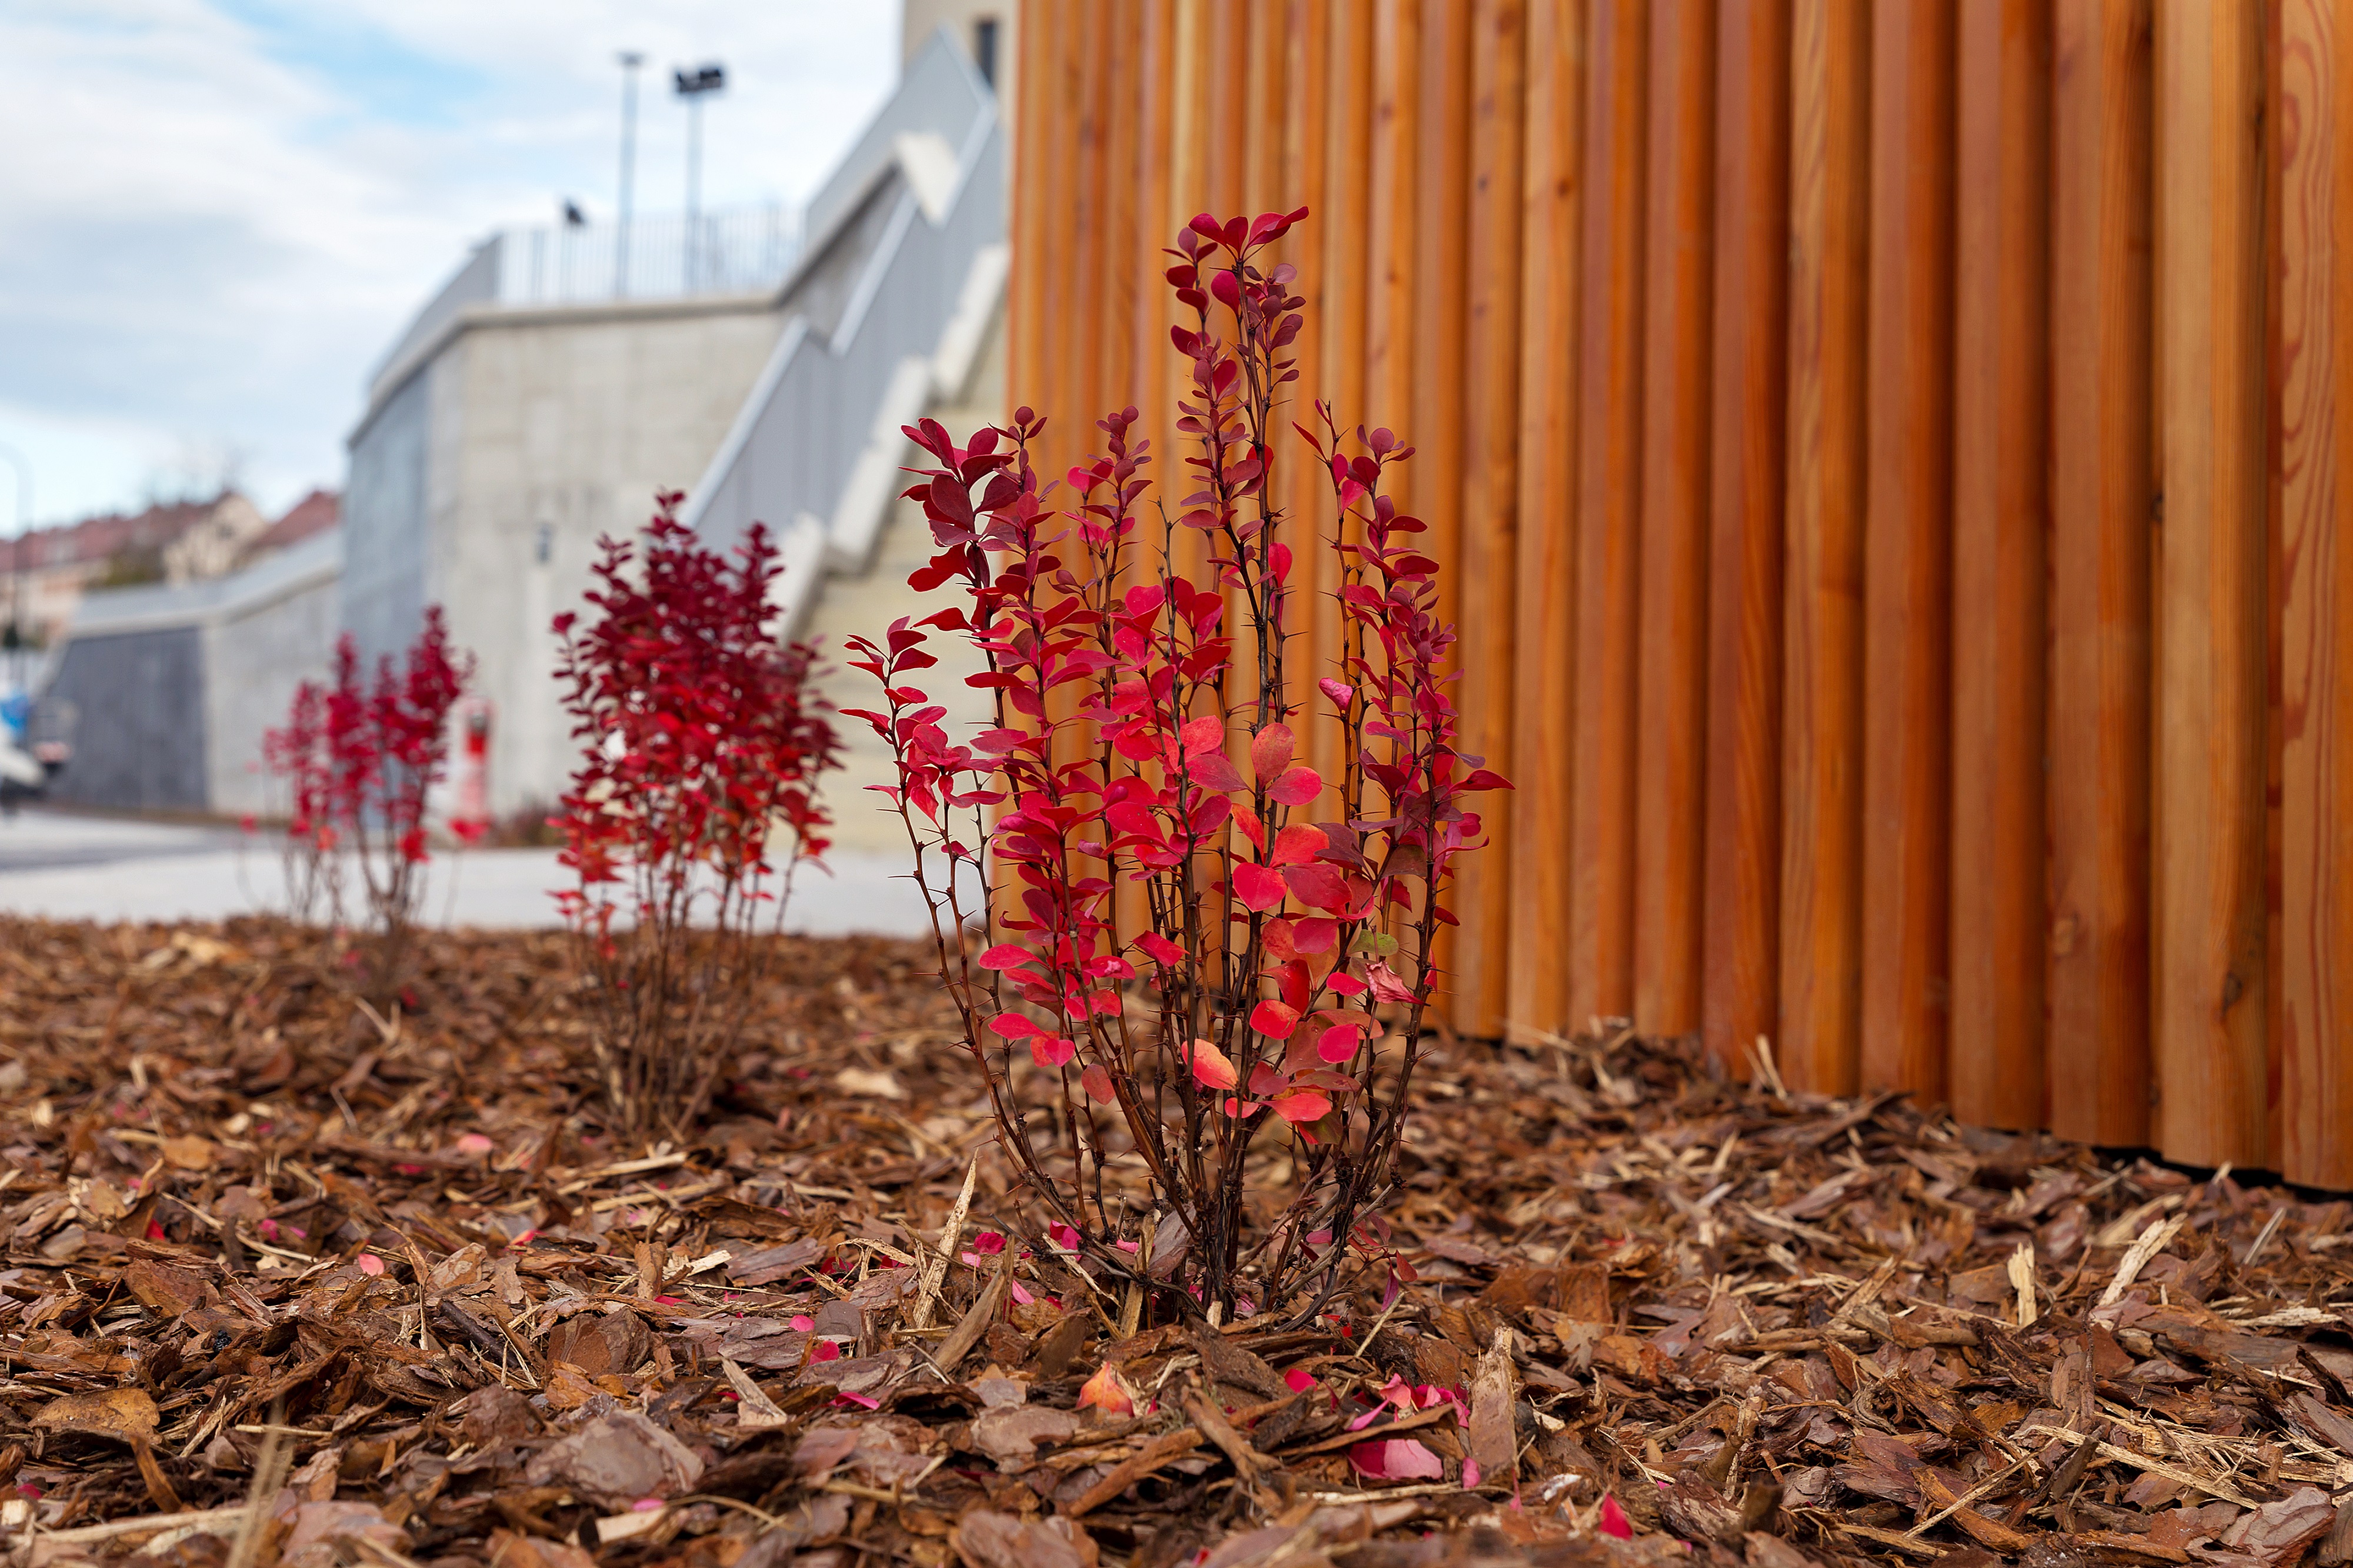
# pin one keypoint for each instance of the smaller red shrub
(359, 763)
(694, 800)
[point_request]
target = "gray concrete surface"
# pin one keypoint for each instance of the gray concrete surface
(63, 866)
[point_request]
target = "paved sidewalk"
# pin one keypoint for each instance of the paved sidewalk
(63, 866)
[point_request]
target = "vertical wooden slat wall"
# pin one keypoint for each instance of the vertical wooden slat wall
(1890, 467)
(2313, 428)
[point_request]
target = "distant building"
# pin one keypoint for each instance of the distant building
(45, 572)
(761, 362)
(984, 28)
(314, 514)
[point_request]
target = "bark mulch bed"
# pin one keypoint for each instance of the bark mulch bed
(289, 1282)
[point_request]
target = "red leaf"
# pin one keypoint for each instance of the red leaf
(1297, 845)
(1318, 886)
(1210, 1067)
(1274, 1019)
(1014, 1026)
(1337, 1043)
(1302, 1105)
(1096, 1081)
(1260, 888)
(1004, 955)
(1270, 751)
(1215, 770)
(1207, 733)
(1159, 949)
(1048, 1051)
(1315, 934)
(1297, 787)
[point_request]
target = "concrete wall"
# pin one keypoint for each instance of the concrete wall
(563, 424)
(165, 692)
(386, 508)
(919, 18)
(132, 705)
(275, 636)
(866, 604)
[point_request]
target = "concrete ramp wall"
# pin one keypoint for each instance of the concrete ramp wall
(165, 692)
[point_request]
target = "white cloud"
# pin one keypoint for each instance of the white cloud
(215, 217)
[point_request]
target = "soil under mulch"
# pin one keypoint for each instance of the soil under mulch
(286, 1282)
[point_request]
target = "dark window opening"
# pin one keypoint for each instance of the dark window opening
(984, 49)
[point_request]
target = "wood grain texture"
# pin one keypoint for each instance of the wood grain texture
(1822, 735)
(1432, 484)
(1907, 554)
(1543, 672)
(1488, 528)
(2313, 147)
(1670, 683)
(1189, 190)
(1440, 309)
(1747, 480)
(1311, 72)
(1609, 514)
(2103, 504)
(1034, 195)
(2000, 559)
(1341, 223)
(1226, 170)
(1396, 211)
(2209, 979)
(1086, 288)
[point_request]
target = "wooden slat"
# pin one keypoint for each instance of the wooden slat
(2314, 422)
(2001, 562)
(1749, 390)
(1907, 676)
(1268, 169)
(1821, 746)
(1433, 481)
(1225, 188)
(1396, 210)
(1188, 193)
(1670, 682)
(1609, 494)
(1086, 293)
(1543, 672)
(1339, 227)
(1250, 43)
(2102, 500)
(1129, 289)
(1440, 240)
(2209, 979)
(1034, 195)
(1133, 292)
(1489, 523)
(1305, 34)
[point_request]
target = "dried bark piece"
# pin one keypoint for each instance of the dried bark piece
(1011, 1434)
(611, 1342)
(126, 1414)
(1495, 1442)
(617, 1461)
(983, 1539)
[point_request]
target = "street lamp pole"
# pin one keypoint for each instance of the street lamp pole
(692, 86)
(630, 59)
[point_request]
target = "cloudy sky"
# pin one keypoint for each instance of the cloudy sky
(214, 215)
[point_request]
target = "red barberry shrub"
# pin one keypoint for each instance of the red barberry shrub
(297, 755)
(703, 744)
(359, 763)
(1273, 982)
